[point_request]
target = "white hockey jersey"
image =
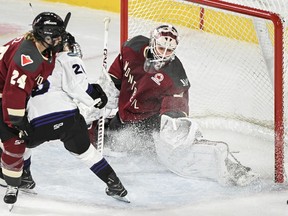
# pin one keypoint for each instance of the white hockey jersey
(55, 98)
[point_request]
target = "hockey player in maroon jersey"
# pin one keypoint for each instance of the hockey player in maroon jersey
(25, 62)
(153, 97)
(151, 80)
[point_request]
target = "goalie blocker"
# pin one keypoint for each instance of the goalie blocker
(182, 149)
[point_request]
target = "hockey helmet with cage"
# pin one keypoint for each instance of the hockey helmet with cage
(47, 26)
(73, 47)
(163, 42)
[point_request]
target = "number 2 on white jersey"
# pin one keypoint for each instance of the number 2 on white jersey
(20, 80)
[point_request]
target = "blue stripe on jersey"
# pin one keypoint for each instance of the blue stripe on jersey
(90, 89)
(99, 166)
(52, 117)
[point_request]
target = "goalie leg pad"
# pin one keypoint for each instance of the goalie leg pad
(199, 159)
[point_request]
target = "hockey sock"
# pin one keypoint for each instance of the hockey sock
(27, 159)
(102, 169)
(97, 164)
(12, 161)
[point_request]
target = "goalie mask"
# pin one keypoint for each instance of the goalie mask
(163, 42)
(48, 28)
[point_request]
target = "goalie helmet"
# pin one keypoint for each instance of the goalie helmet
(48, 26)
(163, 42)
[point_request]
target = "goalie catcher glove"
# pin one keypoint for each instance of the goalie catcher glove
(179, 131)
(113, 96)
(111, 91)
(99, 93)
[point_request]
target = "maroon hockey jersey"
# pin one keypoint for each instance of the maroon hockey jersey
(22, 67)
(144, 94)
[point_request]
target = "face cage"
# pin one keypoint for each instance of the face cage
(159, 60)
(75, 50)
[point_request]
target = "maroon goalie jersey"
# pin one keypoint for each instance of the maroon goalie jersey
(144, 94)
(22, 67)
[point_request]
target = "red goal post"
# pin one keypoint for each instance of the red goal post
(195, 12)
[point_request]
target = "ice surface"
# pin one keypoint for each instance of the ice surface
(67, 187)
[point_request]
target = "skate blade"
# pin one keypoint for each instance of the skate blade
(10, 207)
(28, 191)
(122, 199)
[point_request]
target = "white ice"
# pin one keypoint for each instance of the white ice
(66, 187)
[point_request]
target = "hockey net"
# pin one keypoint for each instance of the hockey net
(235, 55)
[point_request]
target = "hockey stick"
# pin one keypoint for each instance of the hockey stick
(101, 121)
(66, 20)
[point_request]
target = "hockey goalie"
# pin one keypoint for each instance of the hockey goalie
(182, 149)
(149, 85)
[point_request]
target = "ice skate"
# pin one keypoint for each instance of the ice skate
(27, 181)
(115, 189)
(11, 196)
(241, 175)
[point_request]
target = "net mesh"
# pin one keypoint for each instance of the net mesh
(229, 59)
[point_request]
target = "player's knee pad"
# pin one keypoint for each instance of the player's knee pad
(90, 156)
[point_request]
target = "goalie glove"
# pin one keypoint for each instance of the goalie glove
(111, 91)
(91, 114)
(179, 131)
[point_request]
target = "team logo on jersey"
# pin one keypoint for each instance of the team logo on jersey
(26, 60)
(185, 82)
(157, 78)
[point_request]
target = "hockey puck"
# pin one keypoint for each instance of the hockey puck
(287, 202)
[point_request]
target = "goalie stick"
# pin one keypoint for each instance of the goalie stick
(101, 121)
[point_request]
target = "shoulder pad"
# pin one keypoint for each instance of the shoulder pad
(27, 56)
(176, 72)
(136, 43)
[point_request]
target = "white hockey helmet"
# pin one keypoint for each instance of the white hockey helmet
(163, 42)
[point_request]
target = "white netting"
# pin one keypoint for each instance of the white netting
(229, 59)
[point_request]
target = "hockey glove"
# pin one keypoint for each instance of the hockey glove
(111, 91)
(100, 94)
(25, 130)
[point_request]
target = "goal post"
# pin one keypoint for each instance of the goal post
(247, 38)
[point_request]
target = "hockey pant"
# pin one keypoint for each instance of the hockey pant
(73, 132)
